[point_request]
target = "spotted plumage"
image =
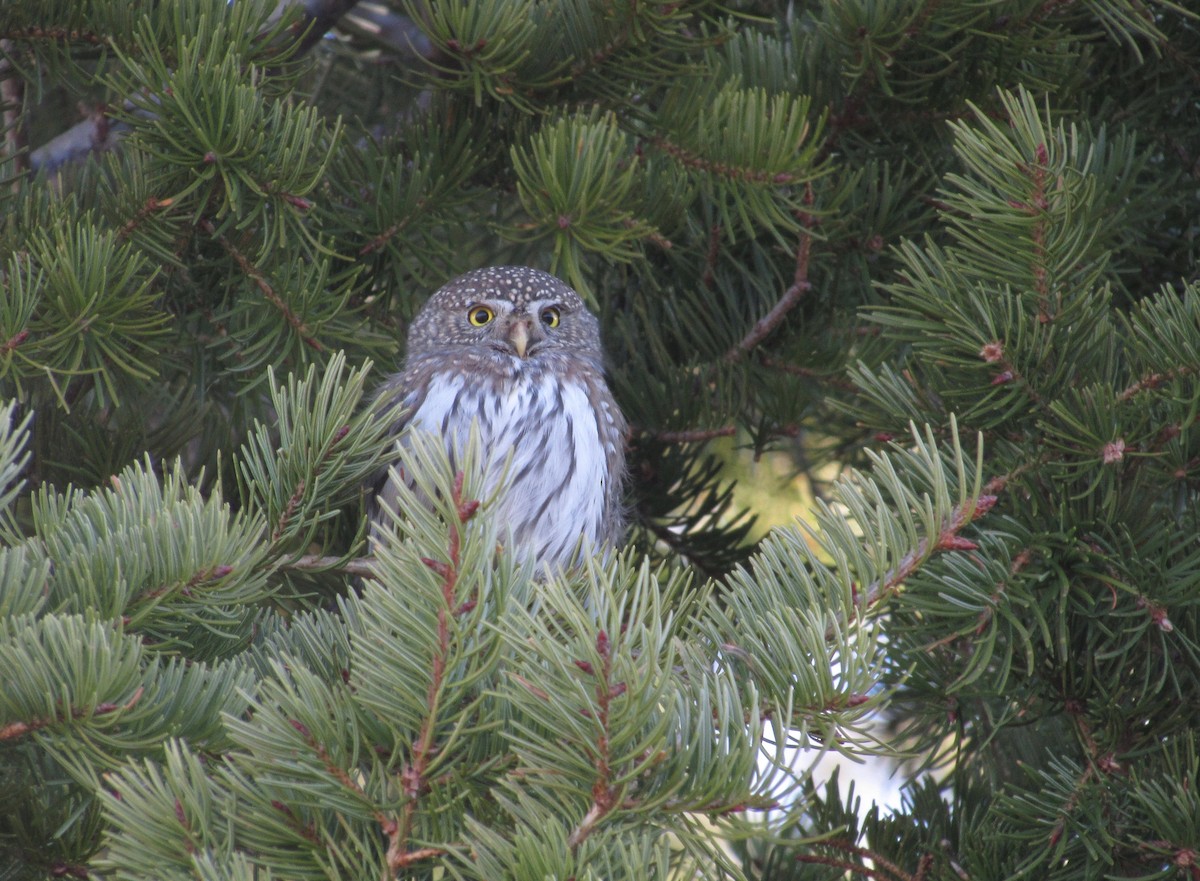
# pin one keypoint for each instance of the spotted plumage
(516, 352)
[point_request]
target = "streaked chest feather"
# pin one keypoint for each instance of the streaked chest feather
(543, 437)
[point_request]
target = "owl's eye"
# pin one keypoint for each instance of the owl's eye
(480, 315)
(550, 316)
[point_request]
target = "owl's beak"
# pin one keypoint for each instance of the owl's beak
(518, 335)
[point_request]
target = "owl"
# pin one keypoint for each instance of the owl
(515, 352)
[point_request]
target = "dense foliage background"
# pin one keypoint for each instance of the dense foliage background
(949, 245)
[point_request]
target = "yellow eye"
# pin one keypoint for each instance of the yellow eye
(480, 315)
(550, 316)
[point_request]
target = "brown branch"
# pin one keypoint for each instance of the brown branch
(12, 100)
(318, 17)
(795, 292)
(307, 831)
(398, 34)
(392, 231)
(345, 779)
(1071, 804)
(885, 870)
(214, 573)
(95, 134)
(255, 274)
(649, 233)
(846, 865)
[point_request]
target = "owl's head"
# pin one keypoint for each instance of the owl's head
(510, 310)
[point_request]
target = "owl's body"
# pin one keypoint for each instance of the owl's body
(515, 352)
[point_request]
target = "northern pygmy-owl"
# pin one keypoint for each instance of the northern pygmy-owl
(516, 351)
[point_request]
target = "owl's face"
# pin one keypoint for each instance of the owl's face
(505, 311)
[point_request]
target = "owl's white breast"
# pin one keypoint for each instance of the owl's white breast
(540, 434)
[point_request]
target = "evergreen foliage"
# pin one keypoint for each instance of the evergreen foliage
(950, 246)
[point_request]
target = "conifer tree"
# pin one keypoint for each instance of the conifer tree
(949, 246)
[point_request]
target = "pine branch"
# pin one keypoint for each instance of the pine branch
(17, 730)
(1152, 381)
(824, 377)
(302, 711)
(1019, 563)
(413, 778)
(99, 133)
(605, 796)
(791, 297)
(736, 173)
(947, 539)
(881, 868)
(260, 281)
(993, 353)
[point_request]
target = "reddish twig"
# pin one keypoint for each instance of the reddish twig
(413, 777)
(702, 435)
(13, 730)
(152, 205)
(845, 865)
(1006, 372)
(288, 511)
(1036, 207)
(605, 796)
(392, 231)
(1151, 381)
(214, 573)
(12, 342)
(710, 257)
(342, 776)
(947, 539)
(1073, 802)
(686, 157)
(297, 496)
